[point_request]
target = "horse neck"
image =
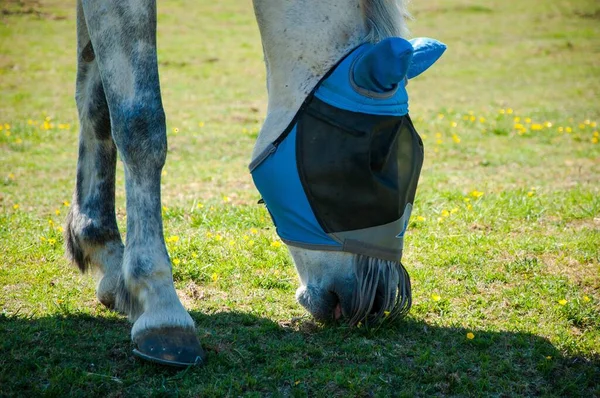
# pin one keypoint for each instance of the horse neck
(301, 41)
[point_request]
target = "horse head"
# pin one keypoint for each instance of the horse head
(338, 160)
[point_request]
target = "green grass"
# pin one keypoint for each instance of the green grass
(504, 241)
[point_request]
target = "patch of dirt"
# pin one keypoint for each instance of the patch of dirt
(27, 7)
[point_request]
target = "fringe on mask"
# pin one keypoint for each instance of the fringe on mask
(393, 293)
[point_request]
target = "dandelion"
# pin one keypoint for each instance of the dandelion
(519, 126)
(226, 199)
(586, 299)
(536, 127)
(165, 208)
(453, 124)
(469, 207)
(57, 212)
(43, 239)
(549, 357)
(547, 124)
(456, 138)
(438, 141)
(11, 176)
(470, 336)
(502, 111)
(561, 129)
(51, 223)
(530, 193)
(593, 124)
(440, 116)
(253, 230)
(436, 297)
(244, 130)
(476, 194)
(481, 119)
(472, 118)
(18, 141)
(569, 130)
(218, 237)
(16, 206)
(509, 111)
(517, 119)
(250, 243)
(173, 239)
(66, 203)
(454, 210)
(562, 302)
(214, 277)
(466, 200)
(275, 243)
(51, 241)
(175, 130)
(528, 120)
(194, 255)
(445, 213)
(421, 218)
(594, 140)
(581, 126)
(209, 234)
(164, 173)
(199, 206)
(176, 261)
(59, 229)
(201, 124)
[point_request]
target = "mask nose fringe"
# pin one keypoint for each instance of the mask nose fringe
(396, 298)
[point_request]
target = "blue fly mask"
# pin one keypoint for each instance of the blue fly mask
(343, 174)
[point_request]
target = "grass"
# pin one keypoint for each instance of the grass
(504, 245)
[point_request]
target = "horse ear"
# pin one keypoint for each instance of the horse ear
(426, 52)
(384, 65)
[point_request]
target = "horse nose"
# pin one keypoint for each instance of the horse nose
(326, 303)
(384, 65)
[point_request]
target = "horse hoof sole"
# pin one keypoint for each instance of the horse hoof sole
(171, 347)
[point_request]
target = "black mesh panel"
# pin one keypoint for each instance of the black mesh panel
(358, 170)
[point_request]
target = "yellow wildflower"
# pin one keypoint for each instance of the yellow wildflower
(502, 111)
(527, 120)
(517, 119)
(440, 116)
(201, 124)
(231, 242)
(509, 111)
(569, 130)
(172, 239)
(561, 129)
(226, 199)
(454, 210)
(200, 205)
(445, 213)
(209, 235)
(436, 297)
(11, 176)
(250, 243)
(472, 118)
(218, 237)
(530, 193)
(547, 124)
(18, 141)
(420, 218)
(214, 277)
(586, 299)
(276, 243)
(66, 203)
(581, 126)
(476, 194)
(176, 261)
(549, 357)
(7, 126)
(51, 241)
(455, 138)
(481, 119)
(562, 302)
(175, 130)
(470, 336)
(16, 206)
(453, 124)
(594, 140)
(593, 124)
(536, 127)
(253, 230)
(57, 212)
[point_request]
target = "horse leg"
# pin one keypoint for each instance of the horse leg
(123, 38)
(91, 234)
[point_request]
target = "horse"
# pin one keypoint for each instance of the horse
(120, 112)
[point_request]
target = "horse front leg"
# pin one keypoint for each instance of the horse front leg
(123, 38)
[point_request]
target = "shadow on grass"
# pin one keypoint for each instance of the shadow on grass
(81, 355)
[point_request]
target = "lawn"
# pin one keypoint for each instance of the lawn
(503, 249)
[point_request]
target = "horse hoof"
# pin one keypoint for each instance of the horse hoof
(170, 346)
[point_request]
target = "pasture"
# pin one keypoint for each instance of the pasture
(503, 248)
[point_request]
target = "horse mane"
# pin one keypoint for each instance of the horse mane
(385, 18)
